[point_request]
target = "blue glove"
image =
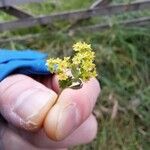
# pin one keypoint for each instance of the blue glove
(25, 62)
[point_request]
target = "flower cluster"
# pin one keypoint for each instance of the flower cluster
(83, 60)
(80, 68)
(59, 66)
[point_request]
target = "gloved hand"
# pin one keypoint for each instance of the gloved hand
(24, 62)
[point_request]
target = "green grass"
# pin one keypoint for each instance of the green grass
(123, 65)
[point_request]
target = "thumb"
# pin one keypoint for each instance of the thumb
(25, 102)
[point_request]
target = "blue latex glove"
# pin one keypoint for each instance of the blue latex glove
(25, 62)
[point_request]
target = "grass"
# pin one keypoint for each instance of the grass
(123, 65)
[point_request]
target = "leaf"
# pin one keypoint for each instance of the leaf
(75, 72)
(65, 83)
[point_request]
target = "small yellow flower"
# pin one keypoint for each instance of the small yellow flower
(80, 67)
(62, 76)
(82, 46)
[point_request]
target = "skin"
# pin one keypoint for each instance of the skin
(42, 116)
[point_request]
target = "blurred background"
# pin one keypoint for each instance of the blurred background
(122, 59)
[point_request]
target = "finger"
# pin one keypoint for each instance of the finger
(49, 81)
(9, 140)
(72, 108)
(55, 84)
(44, 79)
(82, 135)
(25, 102)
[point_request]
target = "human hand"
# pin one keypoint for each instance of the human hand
(30, 105)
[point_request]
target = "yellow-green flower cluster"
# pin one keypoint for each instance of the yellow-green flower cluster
(59, 66)
(80, 68)
(83, 59)
(82, 46)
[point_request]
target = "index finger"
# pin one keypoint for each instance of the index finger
(72, 108)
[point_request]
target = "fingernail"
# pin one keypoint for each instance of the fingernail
(68, 120)
(33, 104)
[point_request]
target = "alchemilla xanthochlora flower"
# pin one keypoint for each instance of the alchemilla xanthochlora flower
(72, 71)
